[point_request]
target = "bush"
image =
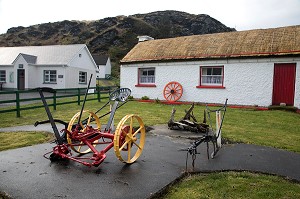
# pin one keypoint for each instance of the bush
(145, 98)
(157, 101)
(130, 97)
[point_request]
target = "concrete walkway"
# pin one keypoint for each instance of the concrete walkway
(24, 173)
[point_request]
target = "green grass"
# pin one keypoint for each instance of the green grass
(12, 140)
(233, 185)
(274, 128)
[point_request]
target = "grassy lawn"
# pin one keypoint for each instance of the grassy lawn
(274, 128)
(233, 185)
(12, 140)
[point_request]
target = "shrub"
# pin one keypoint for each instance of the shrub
(145, 98)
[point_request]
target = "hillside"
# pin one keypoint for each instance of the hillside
(114, 35)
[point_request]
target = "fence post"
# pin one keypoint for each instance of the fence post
(78, 96)
(109, 90)
(54, 101)
(98, 94)
(18, 103)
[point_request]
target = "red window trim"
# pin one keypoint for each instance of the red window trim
(138, 79)
(208, 86)
(145, 85)
(211, 86)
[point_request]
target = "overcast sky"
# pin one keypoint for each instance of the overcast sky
(239, 14)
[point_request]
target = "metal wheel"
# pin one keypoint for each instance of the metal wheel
(91, 120)
(129, 138)
(173, 91)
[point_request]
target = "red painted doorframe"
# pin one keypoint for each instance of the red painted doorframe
(284, 84)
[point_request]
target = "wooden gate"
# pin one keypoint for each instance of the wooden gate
(284, 84)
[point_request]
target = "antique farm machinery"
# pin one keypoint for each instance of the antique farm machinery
(209, 134)
(84, 136)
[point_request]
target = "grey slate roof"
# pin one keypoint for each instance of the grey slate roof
(45, 55)
(29, 58)
(100, 59)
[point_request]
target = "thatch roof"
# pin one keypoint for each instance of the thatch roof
(252, 43)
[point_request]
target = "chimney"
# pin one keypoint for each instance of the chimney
(144, 38)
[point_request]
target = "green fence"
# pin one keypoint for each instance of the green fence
(15, 98)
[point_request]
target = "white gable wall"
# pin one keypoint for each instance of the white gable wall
(246, 82)
(101, 73)
(18, 61)
(84, 63)
(104, 69)
(108, 67)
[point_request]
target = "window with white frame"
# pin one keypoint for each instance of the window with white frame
(50, 76)
(211, 75)
(146, 75)
(2, 76)
(82, 77)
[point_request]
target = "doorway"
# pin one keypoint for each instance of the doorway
(284, 84)
(21, 79)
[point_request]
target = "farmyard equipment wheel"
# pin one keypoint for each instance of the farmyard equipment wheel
(91, 120)
(129, 138)
(173, 91)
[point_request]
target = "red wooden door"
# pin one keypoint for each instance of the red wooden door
(284, 84)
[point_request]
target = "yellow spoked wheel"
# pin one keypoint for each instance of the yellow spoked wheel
(129, 138)
(88, 119)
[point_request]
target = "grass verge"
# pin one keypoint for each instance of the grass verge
(12, 140)
(274, 128)
(232, 185)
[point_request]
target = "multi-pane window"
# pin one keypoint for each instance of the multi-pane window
(212, 76)
(49, 76)
(2, 76)
(82, 77)
(147, 76)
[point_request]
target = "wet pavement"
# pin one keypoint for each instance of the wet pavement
(24, 173)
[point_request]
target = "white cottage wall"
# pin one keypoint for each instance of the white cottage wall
(72, 77)
(60, 83)
(10, 81)
(101, 71)
(81, 62)
(246, 81)
(108, 67)
(35, 77)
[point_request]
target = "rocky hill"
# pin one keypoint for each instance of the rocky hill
(114, 35)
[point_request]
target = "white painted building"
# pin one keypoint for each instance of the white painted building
(104, 66)
(55, 66)
(256, 67)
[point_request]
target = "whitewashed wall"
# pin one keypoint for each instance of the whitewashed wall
(108, 67)
(104, 69)
(9, 70)
(39, 78)
(72, 77)
(101, 73)
(246, 82)
(83, 63)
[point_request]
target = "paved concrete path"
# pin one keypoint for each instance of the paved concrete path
(24, 173)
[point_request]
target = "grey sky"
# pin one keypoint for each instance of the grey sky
(239, 14)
